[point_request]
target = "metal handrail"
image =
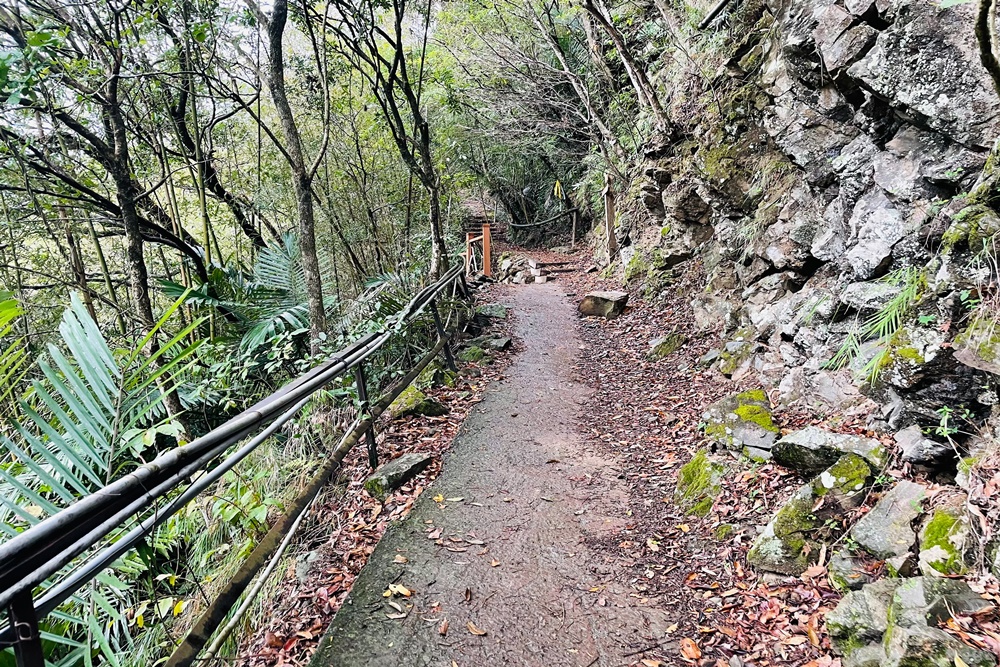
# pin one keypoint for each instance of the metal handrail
(30, 558)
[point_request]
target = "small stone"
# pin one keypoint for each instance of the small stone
(916, 448)
(813, 449)
(608, 305)
(664, 346)
(708, 358)
(885, 532)
(861, 616)
(392, 475)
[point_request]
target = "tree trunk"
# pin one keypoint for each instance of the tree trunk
(301, 178)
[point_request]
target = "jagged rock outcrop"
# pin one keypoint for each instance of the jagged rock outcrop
(895, 622)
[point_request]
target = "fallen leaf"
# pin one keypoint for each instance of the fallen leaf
(438, 498)
(494, 563)
(396, 617)
(474, 630)
(443, 628)
(690, 650)
(652, 663)
(685, 528)
(434, 534)
(400, 559)
(272, 640)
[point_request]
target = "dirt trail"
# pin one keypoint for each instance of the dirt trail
(523, 495)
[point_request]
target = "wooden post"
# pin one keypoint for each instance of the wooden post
(487, 264)
(572, 238)
(610, 215)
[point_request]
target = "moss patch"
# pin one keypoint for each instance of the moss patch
(758, 415)
(698, 482)
(937, 544)
(472, 354)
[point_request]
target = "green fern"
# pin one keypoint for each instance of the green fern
(77, 423)
(884, 324)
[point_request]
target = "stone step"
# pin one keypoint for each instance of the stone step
(536, 264)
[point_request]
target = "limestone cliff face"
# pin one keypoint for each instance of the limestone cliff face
(834, 183)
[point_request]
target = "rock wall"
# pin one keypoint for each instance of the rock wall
(836, 183)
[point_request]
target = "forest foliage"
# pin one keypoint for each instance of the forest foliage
(201, 199)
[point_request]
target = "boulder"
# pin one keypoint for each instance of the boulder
(900, 617)
(916, 448)
(494, 310)
(392, 475)
(472, 354)
(413, 402)
(498, 343)
(796, 535)
(664, 346)
(608, 305)
(812, 449)
(944, 539)
(886, 531)
(698, 483)
(435, 375)
(742, 420)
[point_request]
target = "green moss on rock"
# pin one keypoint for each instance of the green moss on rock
(415, 402)
(698, 482)
(473, 354)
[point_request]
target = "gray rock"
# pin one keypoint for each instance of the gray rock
(920, 65)
(608, 305)
(931, 647)
(929, 601)
(915, 607)
(886, 531)
(861, 616)
(498, 343)
(869, 296)
(664, 346)
(741, 420)
(879, 227)
(392, 475)
(793, 539)
(846, 572)
(916, 448)
(708, 358)
(872, 655)
(494, 310)
(812, 449)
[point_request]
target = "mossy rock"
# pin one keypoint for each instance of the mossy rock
(663, 347)
(944, 540)
(698, 483)
(724, 531)
(740, 421)
(636, 267)
(795, 536)
(969, 228)
(812, 449)
(413, 402)
(735, 353)
(435, 375)
(473, 354)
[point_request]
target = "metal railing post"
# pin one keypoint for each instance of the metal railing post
(448, 357)
(362, 385)
(27, 639)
